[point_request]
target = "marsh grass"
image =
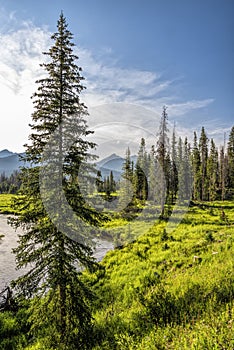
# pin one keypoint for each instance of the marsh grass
(159, 289)
(6, 203)
(181, 297)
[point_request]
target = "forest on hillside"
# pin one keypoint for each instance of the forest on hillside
(199, 170)
(10, 184)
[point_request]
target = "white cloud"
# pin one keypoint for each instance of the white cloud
(109, 83)
(177, 109)
(125, 128)
(121, 93)
(20, 56)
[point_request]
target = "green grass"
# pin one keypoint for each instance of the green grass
(172, 291)
(5, 204)
(163, 289)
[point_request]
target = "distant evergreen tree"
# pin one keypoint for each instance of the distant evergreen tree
(230, 153)
(60, 299)
(141, 173)
(203, 148)
(112, 182)
(10, 184)
(212, 171)
(162, 154)
(174, 168)
(126, 183)
(106, 186)
(127, 166)
(187, 170)
(180, 168)
(168, 177)
(109, 185)
(223, 173)
(99, 182)
(152, 186)
(184, 170)
(196, 166)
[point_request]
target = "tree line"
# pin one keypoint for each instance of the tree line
(11, 183)
(177, 169)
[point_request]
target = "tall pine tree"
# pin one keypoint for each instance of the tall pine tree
(223, 172)
(174, 170)
(60, 300)
(196, 165)
(126, 184)
(141, 173)
(203, 147)
(230, 153)
(162, 157)
(212, 171)
(152, 190)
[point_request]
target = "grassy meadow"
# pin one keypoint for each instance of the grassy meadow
(160, 290)
(5, 203)
(170, 291)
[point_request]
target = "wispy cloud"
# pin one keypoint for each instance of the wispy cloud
(178, 109)
(108, 83)
(20, 56)
(21, 53)
(118, 90)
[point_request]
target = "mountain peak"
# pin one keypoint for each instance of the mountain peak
(5, 153)
(113, 156)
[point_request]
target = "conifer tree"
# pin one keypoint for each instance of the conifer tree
(181, 185)
(196, 165)
(109, 184)
(107, 188)
(212, 171)
(99, 181)
(141, 173)
(112, 182)
(127, 166)
(60, 300)
(184, 170)
(174, 170)
(203, 148)
(230, 153)
(162, 153)
(187, 176)
(152, 190)
(223, 173)
(126, 183)
(167, 173)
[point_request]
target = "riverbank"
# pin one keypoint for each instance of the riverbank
(8, 270)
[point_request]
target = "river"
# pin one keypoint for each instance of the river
(8, 271)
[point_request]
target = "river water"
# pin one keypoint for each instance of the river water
(8, 271)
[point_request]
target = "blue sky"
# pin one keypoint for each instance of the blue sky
(134, 53)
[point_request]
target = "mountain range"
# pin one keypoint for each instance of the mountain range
(113, 163)
(10, 161)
